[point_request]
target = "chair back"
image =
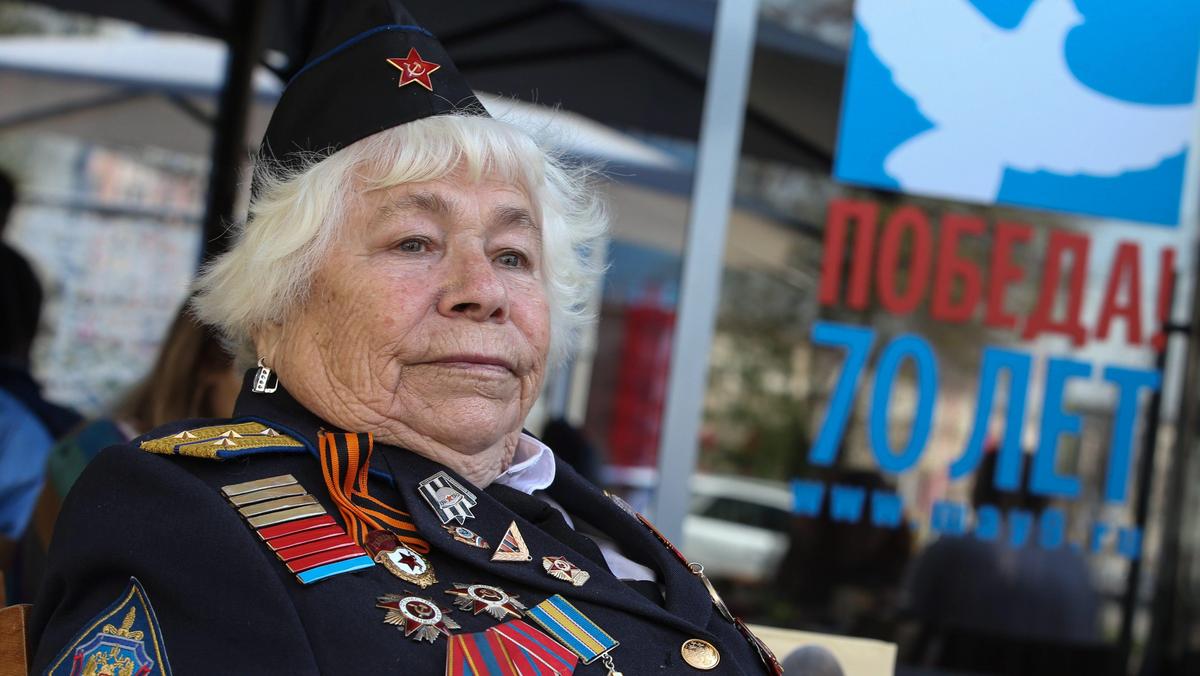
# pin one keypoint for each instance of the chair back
(14, 656)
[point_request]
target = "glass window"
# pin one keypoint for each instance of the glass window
(964, 474)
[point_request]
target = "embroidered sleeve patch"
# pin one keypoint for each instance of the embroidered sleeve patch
(123, 640)
(218, 442)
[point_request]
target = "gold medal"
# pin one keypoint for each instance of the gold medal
(700, 654)
(398, 558)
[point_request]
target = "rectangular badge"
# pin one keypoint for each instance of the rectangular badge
(276, 505)
(291, 527)
(273, 518)
(304, 536)
(258, 484)
(267, 494)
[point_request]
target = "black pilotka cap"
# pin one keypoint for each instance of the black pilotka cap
(371, 68)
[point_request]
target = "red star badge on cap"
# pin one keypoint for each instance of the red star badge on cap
(415, 69)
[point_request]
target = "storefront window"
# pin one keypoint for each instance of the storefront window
(931, 421)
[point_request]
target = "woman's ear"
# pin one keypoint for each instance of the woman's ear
(266, 342)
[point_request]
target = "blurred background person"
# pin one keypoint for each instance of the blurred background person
(29, 423)
(193, 377)
(572, 445)
(838, 574)
(812, 660)
(975, 598)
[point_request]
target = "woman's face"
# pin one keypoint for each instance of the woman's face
(429, 317)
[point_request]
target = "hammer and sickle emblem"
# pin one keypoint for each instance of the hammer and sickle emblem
(415, 69)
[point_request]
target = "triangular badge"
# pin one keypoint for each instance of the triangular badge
(512, 546)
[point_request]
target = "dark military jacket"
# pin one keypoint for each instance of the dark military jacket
(225, 604)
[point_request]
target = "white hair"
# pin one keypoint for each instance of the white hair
(295, 215)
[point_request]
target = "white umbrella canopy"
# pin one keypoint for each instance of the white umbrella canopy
(160, 90)
(128, 89)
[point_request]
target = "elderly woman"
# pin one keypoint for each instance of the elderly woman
(408, 270)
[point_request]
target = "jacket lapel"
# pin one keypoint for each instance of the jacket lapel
(492, 520)
(685, 595)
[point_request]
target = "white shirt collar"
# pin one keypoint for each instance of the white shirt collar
(532, 468)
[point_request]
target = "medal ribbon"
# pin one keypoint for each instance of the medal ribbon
(478, 655)
(537, 652)
(514, 648)
(572, 628)
(345, 461)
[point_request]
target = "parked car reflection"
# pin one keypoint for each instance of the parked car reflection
(737, 527)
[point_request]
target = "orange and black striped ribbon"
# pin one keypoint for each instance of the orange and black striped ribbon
(345, 461)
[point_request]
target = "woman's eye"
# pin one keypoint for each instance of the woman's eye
(414, 245)
(512, 259)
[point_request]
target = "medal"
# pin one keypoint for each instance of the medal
(700, 654)
(418, 618)
(466, 536)
(512, 547)
(399, 559)
(448, 498)
(564, 570)
(567, 625)
(477, 598)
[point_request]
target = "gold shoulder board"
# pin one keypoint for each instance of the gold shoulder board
(220, 442)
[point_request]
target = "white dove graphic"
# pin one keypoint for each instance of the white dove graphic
(1002, 99)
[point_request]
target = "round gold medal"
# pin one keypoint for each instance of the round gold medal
(700, 654)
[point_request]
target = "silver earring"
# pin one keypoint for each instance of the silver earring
(265, 381)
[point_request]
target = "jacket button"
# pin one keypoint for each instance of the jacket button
(700, 654)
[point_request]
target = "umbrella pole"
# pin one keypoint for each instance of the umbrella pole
(245, 42)
(700, 287)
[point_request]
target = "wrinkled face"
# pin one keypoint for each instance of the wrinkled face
(429, 316)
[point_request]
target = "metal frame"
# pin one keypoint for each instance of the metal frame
(1164, 647)
(700, 287)
(245, 39)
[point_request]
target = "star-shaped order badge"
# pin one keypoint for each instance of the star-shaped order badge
(420, 619)
(478, 598)
(415, 69)
(564, 570)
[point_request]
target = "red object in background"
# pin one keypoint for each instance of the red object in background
(641, 384)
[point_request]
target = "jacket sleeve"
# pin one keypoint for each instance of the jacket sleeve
(220, 607)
